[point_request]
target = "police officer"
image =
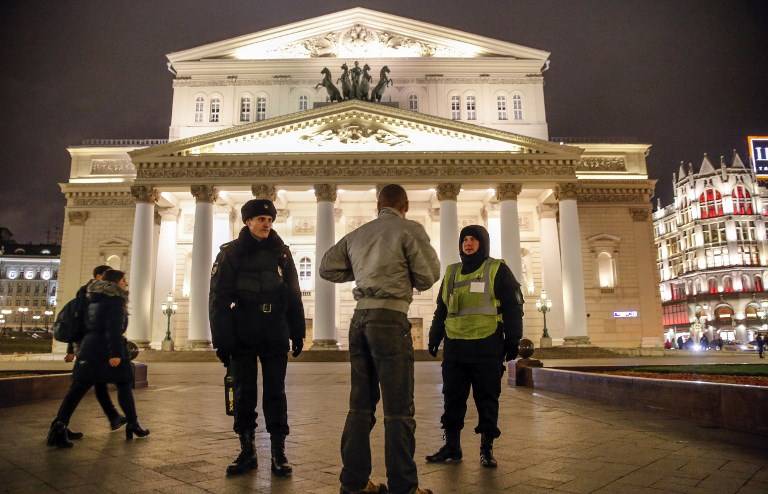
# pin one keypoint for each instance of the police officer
(255, 309)
(480, 315)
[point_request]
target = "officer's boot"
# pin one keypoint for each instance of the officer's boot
(57, 435)
(451, 450)
(280, 465)
(246, 460)
(486, 451)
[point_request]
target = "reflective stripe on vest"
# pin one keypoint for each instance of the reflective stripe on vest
(471, 315)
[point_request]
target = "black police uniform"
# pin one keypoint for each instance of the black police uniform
(255, 309)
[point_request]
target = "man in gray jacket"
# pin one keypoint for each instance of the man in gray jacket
(387, 258)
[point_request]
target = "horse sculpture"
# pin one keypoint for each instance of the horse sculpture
(384, 81)
(365, 83)
(327, 83)
(346, 82)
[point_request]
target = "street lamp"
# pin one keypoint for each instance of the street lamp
(37, 318)
(544, 305)
(48, 313)
(22, 311)
(169, 308)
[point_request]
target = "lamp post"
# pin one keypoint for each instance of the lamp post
(544, 305)
(37, 318)
(169, 308)
(48, 313)
(22, 311)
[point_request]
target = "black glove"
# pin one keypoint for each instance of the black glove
(432, 349)
(296, 346)
(510, 351)
(223, 356)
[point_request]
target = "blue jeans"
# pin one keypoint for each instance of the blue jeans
(381, 357)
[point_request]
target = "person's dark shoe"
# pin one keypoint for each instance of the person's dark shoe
(135, 429)
(74, 436)
(280, 465)
(117, 421)
(451, 450)
(371, 488)
(57, 435)
(246, 460)
(486, 452)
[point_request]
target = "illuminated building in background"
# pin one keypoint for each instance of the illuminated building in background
(29, 276)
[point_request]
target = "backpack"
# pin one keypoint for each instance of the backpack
(70, 324)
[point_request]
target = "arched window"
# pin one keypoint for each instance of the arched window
(455, 107)
(517, 107)
(727, 284)
(750, 312)
(215, 110)
(712, 285)
(114, 261)
(710, 204)
(724, 314)
(305, 268)
(199, 108)
(471, 107)
(758, 284)
(261, 108)
(413, 102)
(742, 200)
(501, 107)
(746, 286)
(245, 109)
(606, 270)
(303, 102)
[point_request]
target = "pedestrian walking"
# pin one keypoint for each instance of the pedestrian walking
(102, 357)
(479, 315)
(387, 258)
(760, 345)
(255, 310)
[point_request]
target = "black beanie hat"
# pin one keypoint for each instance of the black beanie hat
(471, 262)
(258, 207)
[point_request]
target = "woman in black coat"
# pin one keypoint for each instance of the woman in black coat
(102, 358)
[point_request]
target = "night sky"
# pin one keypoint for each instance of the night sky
(687, 76)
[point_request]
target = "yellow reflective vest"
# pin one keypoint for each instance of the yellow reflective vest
(472, 304)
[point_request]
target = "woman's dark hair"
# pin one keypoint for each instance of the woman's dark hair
(113, 275)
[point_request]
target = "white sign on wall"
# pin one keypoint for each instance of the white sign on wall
(624, 314)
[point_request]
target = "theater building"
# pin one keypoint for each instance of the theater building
(462, 125)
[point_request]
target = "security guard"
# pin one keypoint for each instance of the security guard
(480, 315)
(255, 309)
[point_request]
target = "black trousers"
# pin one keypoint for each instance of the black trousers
(485, 380)
(244, 370)
(78, 389)
(381, 358)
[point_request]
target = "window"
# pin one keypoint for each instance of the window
(455, 107)
(413, 102)
(305, 268)
(215, 110)
(712, 285)
(605, 270)
(303, 102)
(758, 284)
(748, 255)
(710, 204)
(261, 108)
(517, 107)
(501, 107)
(245, 109)
(717, 257)
(199, 107)
(678, 291)
(714, 233)
(745, 284)
(727, 284)
(742, 201)
(113, 261)
(471, 108)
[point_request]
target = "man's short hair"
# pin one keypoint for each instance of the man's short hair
(393, 196)
(100, 270)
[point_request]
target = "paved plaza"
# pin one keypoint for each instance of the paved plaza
(549, 443)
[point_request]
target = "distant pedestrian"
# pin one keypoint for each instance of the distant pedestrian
(388, 258)
(760, 345)
(680, 343)
(704, 342)
(720, 342)
(102, 358)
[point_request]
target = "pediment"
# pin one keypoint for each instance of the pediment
(355, 127)
(358, 33)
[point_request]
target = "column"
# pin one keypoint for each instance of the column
(264, 191)
(448, 194)
(165, 271)
(222, 229)
(70, 272)
(551, 269)
(506, 194)
(200, 279)
(649, 299)
(574, 301)
(324, 322)
(140, 283)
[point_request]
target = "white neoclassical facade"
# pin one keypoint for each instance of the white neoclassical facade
(462, 126)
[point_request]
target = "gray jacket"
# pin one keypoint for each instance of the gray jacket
(388, 257)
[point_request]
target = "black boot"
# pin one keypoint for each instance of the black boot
(136, 429)
(246, 460)
(280, 465)
(116, 421)
(451, 451)
(486, 451)
(74, 436)
(57, 435)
